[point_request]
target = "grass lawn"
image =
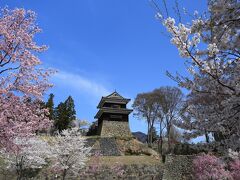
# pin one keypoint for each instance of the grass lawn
(127, 160)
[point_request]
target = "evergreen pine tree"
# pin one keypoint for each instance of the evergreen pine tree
(50, 106)
(61, 118)
(70, 109)
(65, 114)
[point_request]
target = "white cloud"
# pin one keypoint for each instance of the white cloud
(80, 84)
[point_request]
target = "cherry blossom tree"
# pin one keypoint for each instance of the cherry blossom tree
(235, 169)
(210, 167)
(29, 153)
(233, 154)
(234, 164)
(210, 44)
(69, 152)
(22, 80)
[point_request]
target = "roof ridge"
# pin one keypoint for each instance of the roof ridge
(115, 94)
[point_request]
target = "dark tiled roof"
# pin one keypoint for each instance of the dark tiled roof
(114, 97)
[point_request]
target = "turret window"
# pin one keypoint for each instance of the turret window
(116, 106)
(115, 116)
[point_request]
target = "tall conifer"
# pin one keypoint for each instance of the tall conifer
(50, 106)
(65, 114)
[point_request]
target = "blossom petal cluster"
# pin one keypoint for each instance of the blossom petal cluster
(22, 81)
(210, 44)
(69, 151)
(29, 153)
(208, 166)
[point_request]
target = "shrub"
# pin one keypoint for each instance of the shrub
(210, 167)
(234, 167)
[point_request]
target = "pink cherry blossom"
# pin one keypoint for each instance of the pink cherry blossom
(235, 169)
(22, 81)
(210, 167)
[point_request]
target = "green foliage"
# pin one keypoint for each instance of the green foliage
(92, 131)
(50, 106)
(187, 149)
(65, 114)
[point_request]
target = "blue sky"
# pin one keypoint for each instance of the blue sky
(99, 46)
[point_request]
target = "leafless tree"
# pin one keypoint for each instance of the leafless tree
(161, 105)
(146, 106)
(170, 105)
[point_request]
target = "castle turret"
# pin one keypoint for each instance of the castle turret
(113, 116)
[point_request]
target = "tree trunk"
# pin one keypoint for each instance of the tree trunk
(20, 170)
(207, 137)
(19, 176)
(151, 136)
(160, 141)
(160, 145)
(148, 135)
(64, 174)
(169, 138)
